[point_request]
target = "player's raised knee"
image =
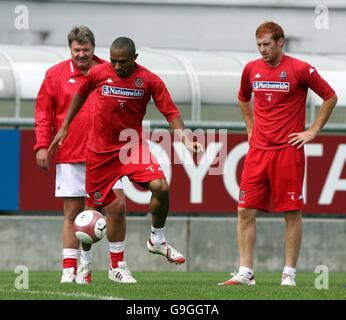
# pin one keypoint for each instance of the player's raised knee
(159, 186)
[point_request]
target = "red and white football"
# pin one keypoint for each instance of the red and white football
(90, 226)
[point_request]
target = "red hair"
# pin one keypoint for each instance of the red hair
(270, 27)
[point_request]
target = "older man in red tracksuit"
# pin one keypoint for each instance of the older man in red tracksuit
(60, 84)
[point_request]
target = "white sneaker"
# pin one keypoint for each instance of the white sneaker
(238, 278)
(165, 249)
(84, 273)
(288, 279)
(68, 275)
(121, 274)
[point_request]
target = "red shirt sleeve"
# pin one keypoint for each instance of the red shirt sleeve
(311, 78)
(245, 90)
(44, 113)
(163, 100)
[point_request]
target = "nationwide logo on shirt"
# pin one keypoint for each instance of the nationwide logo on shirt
(122, 92)
(271, 86)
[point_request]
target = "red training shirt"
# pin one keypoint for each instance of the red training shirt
(121, 103)
(279, 98)
(53, 100)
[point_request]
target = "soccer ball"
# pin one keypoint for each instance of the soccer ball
(89, 226)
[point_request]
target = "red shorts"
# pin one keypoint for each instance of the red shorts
(278, 173)
(104, 169)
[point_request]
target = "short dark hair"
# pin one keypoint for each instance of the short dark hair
(124, 42)
(81, 34)
(270, 27)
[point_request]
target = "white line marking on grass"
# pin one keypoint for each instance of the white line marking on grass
(66, 294)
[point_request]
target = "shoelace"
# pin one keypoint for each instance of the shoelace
(127, 271)
(286, 275)
(174, 252)
(85, 268)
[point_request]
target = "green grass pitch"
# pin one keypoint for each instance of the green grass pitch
(171, 286)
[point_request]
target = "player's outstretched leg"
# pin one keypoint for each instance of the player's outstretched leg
(159, 204)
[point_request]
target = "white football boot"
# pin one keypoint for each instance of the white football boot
(238, 279)
(165, 249)
(68, 275)
(84, 273)
(121, 274)
(288, 280)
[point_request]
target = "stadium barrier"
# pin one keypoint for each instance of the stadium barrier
(209, 244)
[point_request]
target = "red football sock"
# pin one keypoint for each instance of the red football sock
(70, 262)
(116, 257)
